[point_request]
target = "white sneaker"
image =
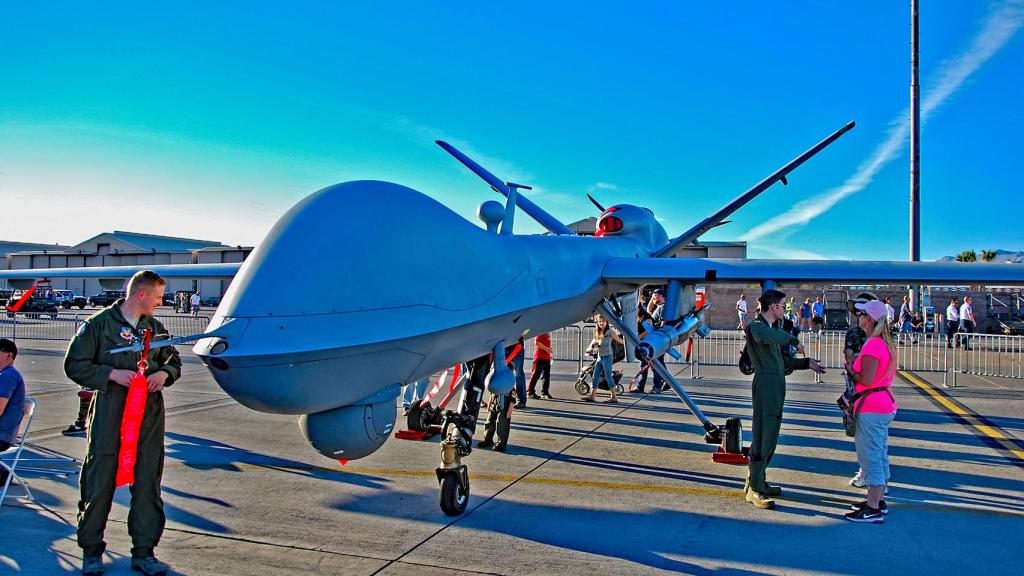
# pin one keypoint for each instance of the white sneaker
(858, 481)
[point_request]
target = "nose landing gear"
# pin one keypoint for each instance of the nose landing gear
(457, 430)
(453, 477)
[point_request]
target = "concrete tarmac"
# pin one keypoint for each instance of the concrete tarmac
(625, 488)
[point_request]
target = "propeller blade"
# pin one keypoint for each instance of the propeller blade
(596, 203)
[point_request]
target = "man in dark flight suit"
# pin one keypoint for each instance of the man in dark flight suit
(769, 392)
(88, 364)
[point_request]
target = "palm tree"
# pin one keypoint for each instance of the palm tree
(988, 255)
(967, 256)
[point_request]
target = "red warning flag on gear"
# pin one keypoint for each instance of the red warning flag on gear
(131, 421)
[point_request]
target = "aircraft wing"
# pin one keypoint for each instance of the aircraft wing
(707, 270)
(207, 271)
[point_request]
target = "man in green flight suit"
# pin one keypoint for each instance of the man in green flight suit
(769, 391)
(88, 364)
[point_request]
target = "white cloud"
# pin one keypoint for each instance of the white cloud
(998, 28)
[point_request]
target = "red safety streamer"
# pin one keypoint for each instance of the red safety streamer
(131, 421)
(21, 301)
(512, 356)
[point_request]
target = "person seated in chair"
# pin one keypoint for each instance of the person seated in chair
(12, 399)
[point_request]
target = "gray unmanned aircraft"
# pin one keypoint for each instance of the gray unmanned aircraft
(416, 289)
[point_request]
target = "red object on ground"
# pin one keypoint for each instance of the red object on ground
(343, 462)
(131, 421)
(21, 301)
(417, 435)
(723, 457)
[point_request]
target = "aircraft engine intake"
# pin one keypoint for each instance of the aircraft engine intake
(354, 431)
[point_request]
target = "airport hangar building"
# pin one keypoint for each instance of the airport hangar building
(119, 248)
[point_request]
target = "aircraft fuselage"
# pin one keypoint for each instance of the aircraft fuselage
(397, 288)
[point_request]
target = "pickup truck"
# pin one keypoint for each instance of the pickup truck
(35, 306)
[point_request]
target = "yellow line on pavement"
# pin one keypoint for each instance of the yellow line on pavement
(806, 498)
(990, 431)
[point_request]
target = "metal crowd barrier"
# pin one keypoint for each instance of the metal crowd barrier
(63, 325)
(566, 344)
(918, 352)
(973, 354)
(987, 355)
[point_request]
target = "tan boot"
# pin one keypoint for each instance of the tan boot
(769, 490)
(760, 500)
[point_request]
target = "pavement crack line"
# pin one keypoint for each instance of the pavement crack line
(63, 520)
(511, 484)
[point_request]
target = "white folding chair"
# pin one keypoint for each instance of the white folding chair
(15, 451)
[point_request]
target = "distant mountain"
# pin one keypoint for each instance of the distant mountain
(1002, 256)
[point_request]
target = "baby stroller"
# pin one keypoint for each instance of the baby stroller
(583, 381)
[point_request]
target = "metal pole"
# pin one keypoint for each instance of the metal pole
(915, 153)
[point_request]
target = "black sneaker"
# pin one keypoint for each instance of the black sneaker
(882, 506)
(75, 429)
(92, 565)
(484, 444)
(149, 566)
(546, 396)
(866, 515)
(533, 396)
(499, 447)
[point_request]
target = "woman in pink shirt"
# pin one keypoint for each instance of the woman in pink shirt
(873, 372)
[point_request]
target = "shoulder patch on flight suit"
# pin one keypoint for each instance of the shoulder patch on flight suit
(127, 333)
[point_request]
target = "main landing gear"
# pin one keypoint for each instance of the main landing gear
(457, 431)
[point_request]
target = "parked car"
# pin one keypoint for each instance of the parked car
(67, 298)
(105, 298)
(36, 305)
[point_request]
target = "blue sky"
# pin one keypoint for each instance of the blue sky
(209, 120)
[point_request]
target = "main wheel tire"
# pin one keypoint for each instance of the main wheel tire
(418, 418)
(453, 498)
(582, 388)
(733, 436)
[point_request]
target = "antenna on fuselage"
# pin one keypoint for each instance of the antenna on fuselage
(507, 189)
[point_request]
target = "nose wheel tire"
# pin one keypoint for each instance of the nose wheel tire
(453, 497)
(420, 417)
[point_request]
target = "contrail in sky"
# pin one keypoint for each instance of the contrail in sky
(1000, 26)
